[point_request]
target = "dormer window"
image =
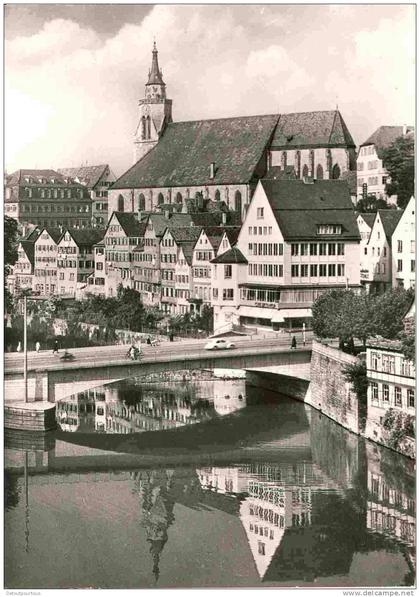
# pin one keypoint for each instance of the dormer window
(330, 229)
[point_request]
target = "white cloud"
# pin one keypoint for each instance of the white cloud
(71, 95)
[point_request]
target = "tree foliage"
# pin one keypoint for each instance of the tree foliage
(10, 230)
(398, 159)
(371, 204)
(345, 315)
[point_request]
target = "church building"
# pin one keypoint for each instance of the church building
(223, 159)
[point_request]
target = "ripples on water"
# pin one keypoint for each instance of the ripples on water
(203, 484)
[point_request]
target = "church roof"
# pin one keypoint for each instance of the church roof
(90, 175)
(385, 136)
(183, 155)
(312, 129)
(300, 208)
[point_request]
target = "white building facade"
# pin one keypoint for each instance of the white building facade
(404, 248)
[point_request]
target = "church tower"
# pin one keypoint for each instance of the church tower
(155, 111)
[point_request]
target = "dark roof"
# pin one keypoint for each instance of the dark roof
(185, 234)
(188, 249)
(33, 234)
(90, 175)
(55, 233)
(312, 129)
(155, 74)
(186, 149)
(351, 178)
(85, 236)
(29, 248)
(390, 219)
(232, 233)
(384, 136)
(368, 218)
(17, 178)
(172, 220)
(279, 173)
(233, 255)
(299, 208)
(129, 223)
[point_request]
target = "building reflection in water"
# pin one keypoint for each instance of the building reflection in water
(132, 407)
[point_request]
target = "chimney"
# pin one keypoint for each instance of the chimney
(224, 218)
(167, 214)
(404, 130)
(212, 170)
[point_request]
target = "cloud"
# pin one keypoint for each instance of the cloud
(82, 87)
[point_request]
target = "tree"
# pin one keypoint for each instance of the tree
(398, 159)
(389, 312)
(371, 204)
(10, 231)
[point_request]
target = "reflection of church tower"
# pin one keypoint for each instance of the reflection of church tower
(156, 513)
(155, 111)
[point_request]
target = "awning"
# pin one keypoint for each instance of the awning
(283, 314)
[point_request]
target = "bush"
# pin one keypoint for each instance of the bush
(398, 425)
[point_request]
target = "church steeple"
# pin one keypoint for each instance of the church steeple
(155, 111)
(155, 74)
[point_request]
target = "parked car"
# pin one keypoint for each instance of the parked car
(219, 343)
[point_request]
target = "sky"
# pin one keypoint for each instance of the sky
(74, 73)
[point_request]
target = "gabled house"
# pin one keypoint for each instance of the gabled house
(75, 260)
(23, 269)
(123, 234)
(45, 261)
(298, 240)
(372, 176)
(365, 222)
(404, 248)
(377, 259)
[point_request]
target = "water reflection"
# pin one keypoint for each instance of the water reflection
(131, 406)
(319, 517)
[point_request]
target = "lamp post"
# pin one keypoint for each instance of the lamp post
(25, 350)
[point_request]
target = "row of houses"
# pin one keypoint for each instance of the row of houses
(298, 239)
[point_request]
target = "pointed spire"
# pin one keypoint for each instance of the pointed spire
(155, 74)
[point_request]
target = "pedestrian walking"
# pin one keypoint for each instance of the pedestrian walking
(19, 347)
(37, 346)
(55, 349)
(294, 342)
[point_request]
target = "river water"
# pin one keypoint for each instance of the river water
(207, 483)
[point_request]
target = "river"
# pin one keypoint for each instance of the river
(208, 483)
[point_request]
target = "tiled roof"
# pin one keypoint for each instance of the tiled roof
(17, 176)
(89, 175)
(300, 208)
(232, 233)
(129, 223)
(173, 220)
(55, 233)
(233, 255)
(185, 234)
(351, 178)
(29, 248)
(186, 149)
(279, 173)
(188, 249)
(85, 236)
(384, 136)
(312, 129)
(390, 219)
(369, 218)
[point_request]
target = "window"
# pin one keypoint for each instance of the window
(304, 248)
(374, 360)
(120, 203)
(399, 246)
(313, 249)
(329, 229)
(399, 265)
(142, 202)
(304, 271)
(319, 172)
(323, 249)
(374, 391)
(331, 248)
(385, 392)
(397, 396)
(295, 271)
(260, 213)
(340, 269)
(323, 270)
(228, 294)
(261, 548)
(413, 265)
(215, 293)
(331, 269)
(228, 271)
(238, 202)
(340, 248)
(413, 246)
(384, 251)
(410, 398)
(295, 249)
(100, 266)
(314, 270)
(161, 199)
(384, 179)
